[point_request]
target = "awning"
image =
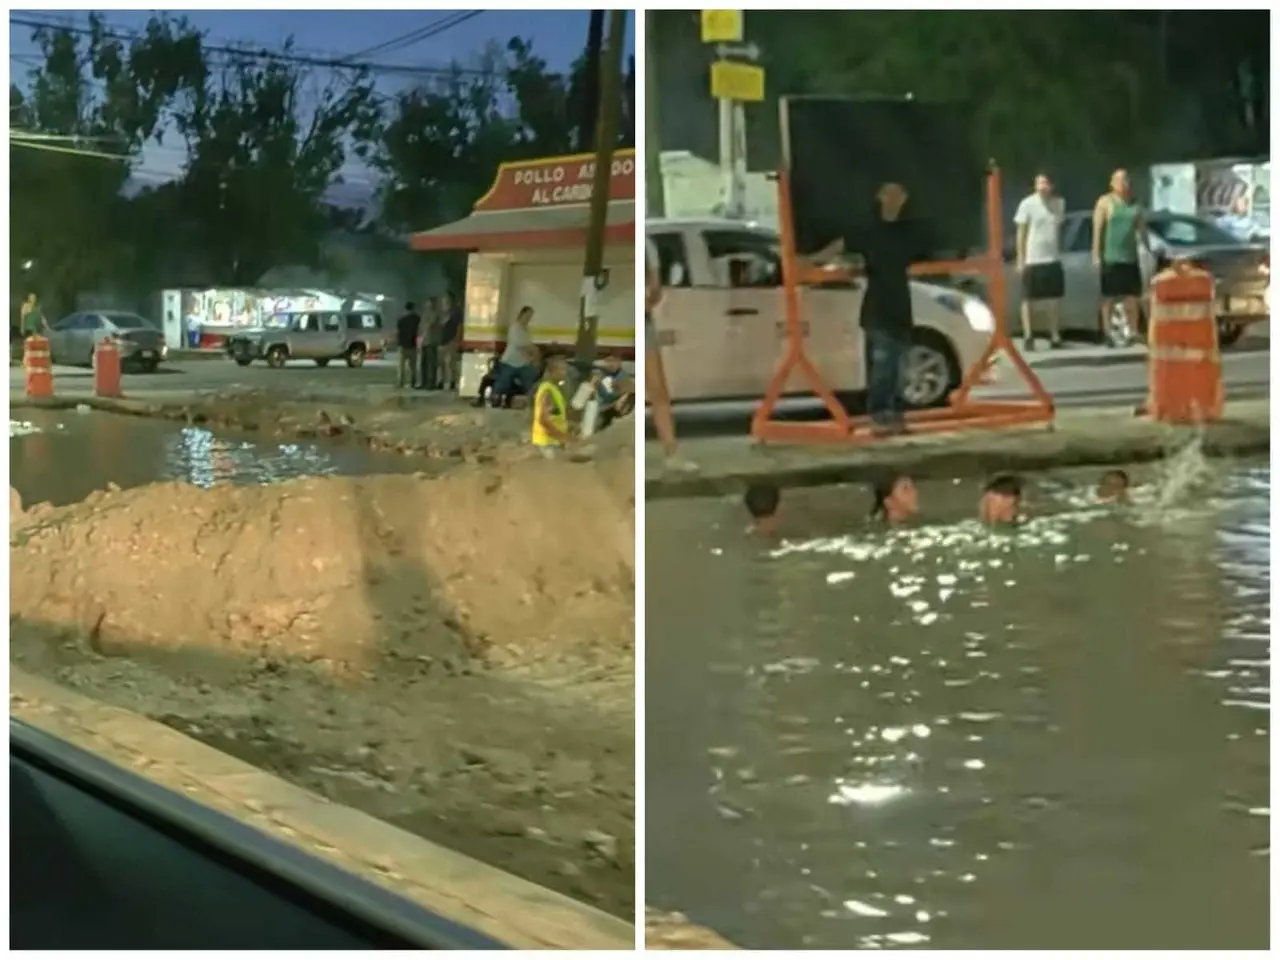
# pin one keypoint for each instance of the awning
(514, 229)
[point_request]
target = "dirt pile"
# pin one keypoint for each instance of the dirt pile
(451, 655)
(517, 565)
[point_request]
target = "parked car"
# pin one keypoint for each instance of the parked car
(74, 338)
(722, 320)
(320, 336)
(1242, 271)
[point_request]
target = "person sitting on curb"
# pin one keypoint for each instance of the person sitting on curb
(895, 499)
(517, 368)
(762, 501)
(615, 391)
(1001, 500)
(550, 430)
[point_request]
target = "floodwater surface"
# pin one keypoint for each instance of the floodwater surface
(947, 737)
(61, 457)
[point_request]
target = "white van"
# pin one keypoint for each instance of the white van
(722, 321)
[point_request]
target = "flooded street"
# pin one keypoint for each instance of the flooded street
(63, 456)
(950, 738)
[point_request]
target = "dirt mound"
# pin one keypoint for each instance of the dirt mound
(515, 564)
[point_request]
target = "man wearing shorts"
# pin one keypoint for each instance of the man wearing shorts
(1039, 221)
(1118, 228)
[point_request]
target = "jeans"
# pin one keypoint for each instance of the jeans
(509, 380)
(887, 352)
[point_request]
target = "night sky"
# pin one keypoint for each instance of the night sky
(558, 36)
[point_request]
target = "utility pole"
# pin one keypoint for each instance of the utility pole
(590, 102)
(655, 199)
(593, 276)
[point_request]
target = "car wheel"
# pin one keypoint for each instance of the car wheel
(355, 355)
(1229, 333)
(930, 370)
(322, 362)
(277, 356)
(148, 366)
(243, 361)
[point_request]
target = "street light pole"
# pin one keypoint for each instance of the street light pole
(593, 277)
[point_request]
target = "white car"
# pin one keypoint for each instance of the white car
(722, 321)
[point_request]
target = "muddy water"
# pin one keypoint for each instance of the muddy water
(948, 738)
(61, 457)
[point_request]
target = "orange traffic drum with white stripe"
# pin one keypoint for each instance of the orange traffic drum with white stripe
(1184, 366)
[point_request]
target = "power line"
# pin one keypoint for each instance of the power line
(246, 52)
(432, 29)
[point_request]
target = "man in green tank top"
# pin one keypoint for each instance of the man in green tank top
(1118, 229)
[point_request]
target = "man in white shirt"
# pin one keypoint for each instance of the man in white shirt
(1039, 222)
(517, 369)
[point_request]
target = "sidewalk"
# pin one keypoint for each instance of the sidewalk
(1097, 436)
(1091, 355)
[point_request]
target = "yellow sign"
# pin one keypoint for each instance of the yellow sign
(737, 81)
(721, 26)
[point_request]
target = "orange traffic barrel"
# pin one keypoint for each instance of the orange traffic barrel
(1184, 366)
(106, 368)
(37, 362)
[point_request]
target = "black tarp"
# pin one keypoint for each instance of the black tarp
(838, 150)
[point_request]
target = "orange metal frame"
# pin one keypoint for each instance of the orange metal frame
(961, 412)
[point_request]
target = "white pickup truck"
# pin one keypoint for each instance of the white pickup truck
(722, 321)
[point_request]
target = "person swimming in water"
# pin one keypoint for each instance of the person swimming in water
(895, 498)
(1113, 487)
(1001, 499)
(762, 501)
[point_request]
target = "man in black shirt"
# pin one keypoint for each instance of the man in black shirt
(450, 341)
(407, 342)
(889, 243)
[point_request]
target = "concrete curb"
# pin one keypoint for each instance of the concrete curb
(514, 911)
(1120, 358)
(1089, 438)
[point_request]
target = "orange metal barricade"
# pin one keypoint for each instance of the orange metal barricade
(1184, 365)
(961, 413)
(37, 363)
(106, 368)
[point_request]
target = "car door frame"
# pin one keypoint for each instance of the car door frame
(689, 318)
(1081, 292)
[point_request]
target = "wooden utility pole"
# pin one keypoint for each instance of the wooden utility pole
(593, 276)
(589, 104)
(655, 199)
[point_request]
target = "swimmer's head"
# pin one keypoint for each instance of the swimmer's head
(894, 498)
(1113, 487)
(1001, 499)
(761, 501)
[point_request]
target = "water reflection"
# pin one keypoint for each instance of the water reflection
(1054, 736)
(62, 457)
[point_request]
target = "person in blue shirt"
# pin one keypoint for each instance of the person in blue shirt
(615, 390)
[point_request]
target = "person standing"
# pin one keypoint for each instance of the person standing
(1039, 223)
(549, 432)
(657, 393)
(889, 244)
(429, 346)
(1118, 228)
(407, 345)
(31, 316)
(450, 341)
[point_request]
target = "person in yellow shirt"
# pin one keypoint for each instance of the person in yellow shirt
(550, 431)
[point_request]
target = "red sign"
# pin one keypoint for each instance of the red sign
(557, 182)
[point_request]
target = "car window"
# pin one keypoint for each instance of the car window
(673, 259)
(364, 321)
(744, 258)
(70, 322)
(307, 322)
(331, 322)
(91, 321)
(128, 321)
(1077, 235)
(1190, 232)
